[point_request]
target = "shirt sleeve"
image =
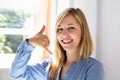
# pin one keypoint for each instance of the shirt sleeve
(95, 71)
(19, 64)
(20, 70)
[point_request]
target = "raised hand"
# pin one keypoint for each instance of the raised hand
(40, 40)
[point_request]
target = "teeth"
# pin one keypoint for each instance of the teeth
(67, 40)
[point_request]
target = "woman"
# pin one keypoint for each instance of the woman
(71, 60)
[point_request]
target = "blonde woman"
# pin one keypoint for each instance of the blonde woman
(71, 60)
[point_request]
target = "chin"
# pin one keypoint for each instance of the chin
(67, 48)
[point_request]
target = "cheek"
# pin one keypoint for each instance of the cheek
(58, 38)
(78, 36)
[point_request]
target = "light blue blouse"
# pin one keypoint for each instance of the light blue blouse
(85, 69)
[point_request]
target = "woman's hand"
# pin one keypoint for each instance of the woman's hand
(40, 40)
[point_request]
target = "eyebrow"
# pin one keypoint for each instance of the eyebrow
(68, 24)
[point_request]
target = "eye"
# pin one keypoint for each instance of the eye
(71, 28)
(59, 30)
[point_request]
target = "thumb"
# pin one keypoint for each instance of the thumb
(42, 30)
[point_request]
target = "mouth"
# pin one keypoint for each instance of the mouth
(66, 41)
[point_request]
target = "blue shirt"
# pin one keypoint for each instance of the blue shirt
(85, 69)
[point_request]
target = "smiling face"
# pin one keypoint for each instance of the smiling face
(69, 33)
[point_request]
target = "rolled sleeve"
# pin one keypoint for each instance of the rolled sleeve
(19, 64)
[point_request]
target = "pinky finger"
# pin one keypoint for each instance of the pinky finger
(48, 50)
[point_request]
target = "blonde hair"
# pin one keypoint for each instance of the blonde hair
(86, 45)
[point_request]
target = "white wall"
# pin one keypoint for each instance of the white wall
(89, 7)
(4, 74)
(107, 27)
(108, 34)
(108, 50)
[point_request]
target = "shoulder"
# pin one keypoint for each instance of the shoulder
(94, 69)
(91, 60)
(90, 64)
(94, 63)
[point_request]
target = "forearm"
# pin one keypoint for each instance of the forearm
(19, 64)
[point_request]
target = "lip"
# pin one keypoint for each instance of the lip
(66, 41)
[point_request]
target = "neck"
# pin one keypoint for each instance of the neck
(72, 56)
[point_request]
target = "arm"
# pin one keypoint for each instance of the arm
(19, 64)
(20, 69)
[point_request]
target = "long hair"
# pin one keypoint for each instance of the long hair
(85, 45)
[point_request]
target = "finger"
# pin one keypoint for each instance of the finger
(44, 40)
(42, 30)
(48, 50)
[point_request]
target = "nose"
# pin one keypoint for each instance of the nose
(65, 33)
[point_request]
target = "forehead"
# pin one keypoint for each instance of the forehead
(67, 21)
(68, 18)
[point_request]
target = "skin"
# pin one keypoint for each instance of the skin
(68, 35)
(40, 40)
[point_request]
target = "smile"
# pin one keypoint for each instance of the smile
(66, 41)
